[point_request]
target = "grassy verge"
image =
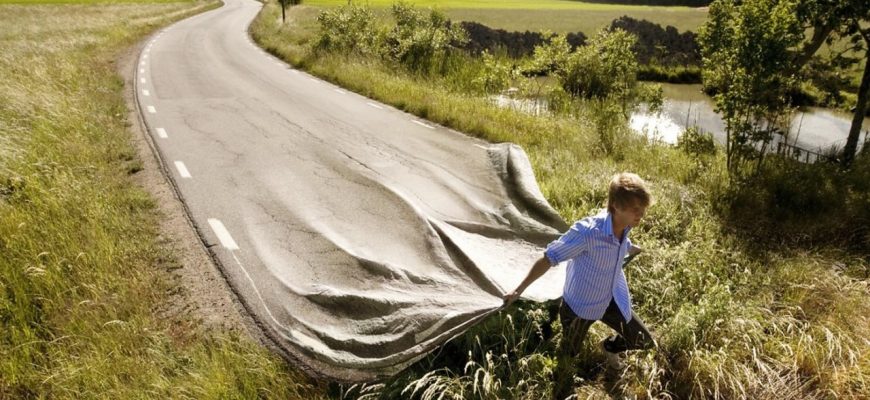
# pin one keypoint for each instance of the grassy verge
(82, 274)
(735, 315)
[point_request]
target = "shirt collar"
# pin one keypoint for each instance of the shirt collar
(608, 226)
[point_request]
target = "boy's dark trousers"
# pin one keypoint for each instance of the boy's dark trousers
(630, 335)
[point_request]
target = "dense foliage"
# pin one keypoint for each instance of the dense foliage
(746, 53)
(482, 38)
(662, 46)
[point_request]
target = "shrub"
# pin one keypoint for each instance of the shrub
(696, 142)
(349, 29)
(482, 38)
(606, 67)
(419, 40)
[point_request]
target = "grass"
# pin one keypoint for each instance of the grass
(83, 276)
(737, 313)
(554, 15)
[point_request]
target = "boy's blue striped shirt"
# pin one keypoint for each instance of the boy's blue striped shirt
(595, 256)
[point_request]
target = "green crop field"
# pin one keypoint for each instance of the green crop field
(553, 15)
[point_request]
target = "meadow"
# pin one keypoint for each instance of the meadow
(84, 274)
(776, 310)
(746, 298)
(558, 16)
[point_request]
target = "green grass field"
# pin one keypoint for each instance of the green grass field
(553, 15)
(83, 270)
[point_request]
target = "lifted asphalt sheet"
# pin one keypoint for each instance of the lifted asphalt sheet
(386, 256)
(358, 237)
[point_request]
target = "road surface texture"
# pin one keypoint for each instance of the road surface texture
(357, 236)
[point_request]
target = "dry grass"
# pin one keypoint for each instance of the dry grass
(81, 271)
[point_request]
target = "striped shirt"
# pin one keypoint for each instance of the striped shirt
(595, 257)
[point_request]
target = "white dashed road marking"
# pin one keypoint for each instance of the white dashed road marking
(152, 110)
(182, 169)
(145, 92)
(374, 105)
(223, 235)
(162, 133)
(422, 124)
(339, 91)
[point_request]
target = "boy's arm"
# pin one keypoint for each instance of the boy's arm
(538, 269)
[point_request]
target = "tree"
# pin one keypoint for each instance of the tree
(820, 22)
(746, 48)
(839, 20)
(284, 5)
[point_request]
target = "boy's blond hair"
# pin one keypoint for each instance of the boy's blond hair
(627, 189)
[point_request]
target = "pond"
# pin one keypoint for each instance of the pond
(814, 130)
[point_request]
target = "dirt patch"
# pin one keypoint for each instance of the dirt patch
(199, 291)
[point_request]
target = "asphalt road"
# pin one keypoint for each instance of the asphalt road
(358, 236)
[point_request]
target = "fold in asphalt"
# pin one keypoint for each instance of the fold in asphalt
(358, 236)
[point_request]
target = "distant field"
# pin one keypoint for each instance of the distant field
(553, 15)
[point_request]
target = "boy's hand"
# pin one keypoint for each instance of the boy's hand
(634, 250)
(510, 298)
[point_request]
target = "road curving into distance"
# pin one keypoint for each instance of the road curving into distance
(358, 236)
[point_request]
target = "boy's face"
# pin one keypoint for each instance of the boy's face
(630, 214)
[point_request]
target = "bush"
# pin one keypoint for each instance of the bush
(349, 29)
(604, 68)
(482, 38)
(696, 142)
(495, 75)
(418, 40)
(662, 46)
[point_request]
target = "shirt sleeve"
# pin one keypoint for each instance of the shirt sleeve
(569, 245)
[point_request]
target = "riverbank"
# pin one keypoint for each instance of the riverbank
(737, 312)
(91, 303)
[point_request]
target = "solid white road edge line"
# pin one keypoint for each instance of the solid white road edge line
(374, 105)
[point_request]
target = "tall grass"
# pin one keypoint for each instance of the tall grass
(82, 274)
(735, 315)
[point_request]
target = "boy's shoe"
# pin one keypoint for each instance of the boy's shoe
(613, 360)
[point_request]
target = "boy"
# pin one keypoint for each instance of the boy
(595, 287)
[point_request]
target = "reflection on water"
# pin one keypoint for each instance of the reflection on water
(814, 129)
(656, 127)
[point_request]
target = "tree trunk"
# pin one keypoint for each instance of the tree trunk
(809, 48)
(860, 112)
(283, 13)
